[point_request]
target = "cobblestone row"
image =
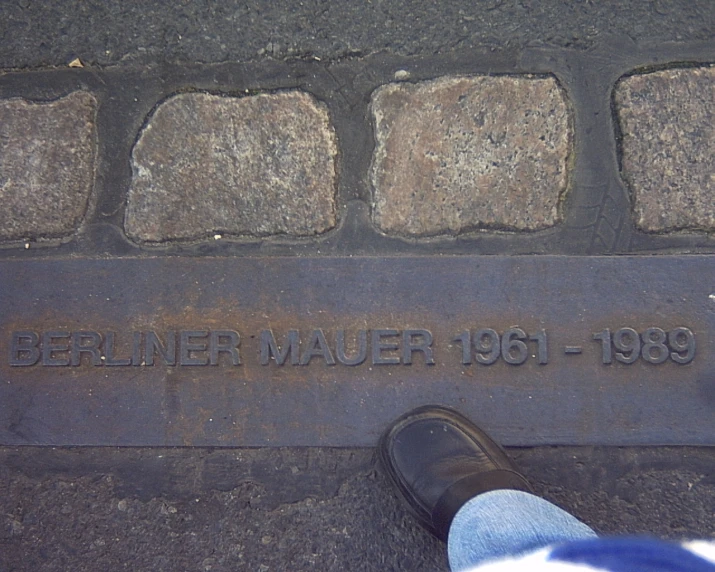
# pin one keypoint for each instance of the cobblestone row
(452, 155)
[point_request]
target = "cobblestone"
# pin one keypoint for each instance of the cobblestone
(460, 153)
(47, 153)
(258, 165)
(667, 148)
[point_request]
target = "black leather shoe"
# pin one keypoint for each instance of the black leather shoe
(438, 460)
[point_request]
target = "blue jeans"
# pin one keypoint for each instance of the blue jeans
(507, 523)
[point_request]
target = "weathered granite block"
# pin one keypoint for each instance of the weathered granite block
(47, 155)
(668, 147)
(257, 165)
(461, 153)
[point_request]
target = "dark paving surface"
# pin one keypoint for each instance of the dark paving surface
(300, 509)
(116, 32)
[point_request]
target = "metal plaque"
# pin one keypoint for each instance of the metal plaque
(172, 351)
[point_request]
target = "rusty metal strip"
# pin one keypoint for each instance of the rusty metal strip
(326, 351)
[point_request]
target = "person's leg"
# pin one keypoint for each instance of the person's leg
(504, 523)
